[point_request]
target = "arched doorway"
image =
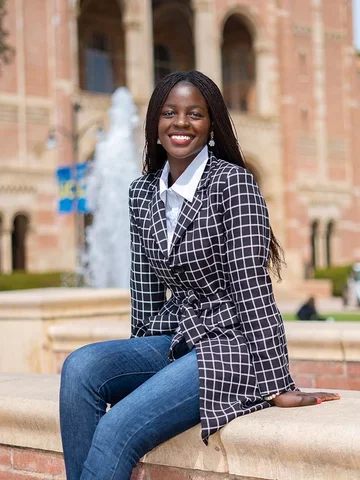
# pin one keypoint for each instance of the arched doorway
(314, 241)
(18, 241)
(173, 40)
(328, 242)
(101, 46)
(238, 66)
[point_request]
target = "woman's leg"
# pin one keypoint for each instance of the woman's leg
(162, 407)
(100, 374)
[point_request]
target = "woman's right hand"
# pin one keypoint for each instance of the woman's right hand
(297, 398)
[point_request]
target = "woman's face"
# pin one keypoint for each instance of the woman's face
(184, 124)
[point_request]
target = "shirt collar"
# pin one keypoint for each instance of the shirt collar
(187, 183)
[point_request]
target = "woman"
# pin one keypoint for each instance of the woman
(216, 350)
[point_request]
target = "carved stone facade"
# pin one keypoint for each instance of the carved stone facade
(288, 72)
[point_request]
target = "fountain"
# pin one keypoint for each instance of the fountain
(106, 263)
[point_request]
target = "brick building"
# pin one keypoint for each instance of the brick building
(289, 75)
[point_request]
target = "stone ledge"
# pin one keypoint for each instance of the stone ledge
(320, 442)
(66, 338)
(336, 341)
(63, 303)
(323, 340)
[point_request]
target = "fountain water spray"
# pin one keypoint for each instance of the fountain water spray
(116, 163)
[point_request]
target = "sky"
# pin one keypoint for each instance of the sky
(356, 16)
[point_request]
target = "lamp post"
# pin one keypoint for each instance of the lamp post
(74, 136)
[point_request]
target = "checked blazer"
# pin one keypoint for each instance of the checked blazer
(221, 294)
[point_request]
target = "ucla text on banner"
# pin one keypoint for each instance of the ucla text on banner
(72, 188)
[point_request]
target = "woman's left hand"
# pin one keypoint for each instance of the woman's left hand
(302, 399)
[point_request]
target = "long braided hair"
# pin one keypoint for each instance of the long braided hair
(226, 143)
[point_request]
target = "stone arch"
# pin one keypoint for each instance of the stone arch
(247, 17)
(20, 229)
(101, 45)
(82, 4)
(238, 63)
(177, 37)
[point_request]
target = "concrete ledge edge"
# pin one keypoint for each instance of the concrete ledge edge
(319, 442)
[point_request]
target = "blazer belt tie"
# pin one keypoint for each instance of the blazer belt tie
(192, 305)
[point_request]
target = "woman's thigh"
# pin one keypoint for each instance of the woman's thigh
(115, 368)
(162, 407)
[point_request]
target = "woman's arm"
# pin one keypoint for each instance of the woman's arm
(247, 233)
(148, 294)
(248, 238)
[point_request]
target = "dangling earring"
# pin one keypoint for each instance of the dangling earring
(211, 141)
(158, 141)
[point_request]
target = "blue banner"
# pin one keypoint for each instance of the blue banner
(80, 199)
(72, 189)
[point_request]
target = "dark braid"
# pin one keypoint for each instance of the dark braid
(226, 143)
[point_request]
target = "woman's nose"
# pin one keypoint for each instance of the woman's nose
(182, 120)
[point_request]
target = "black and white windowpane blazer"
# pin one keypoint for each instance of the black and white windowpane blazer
(222, 297)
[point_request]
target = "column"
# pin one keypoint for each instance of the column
(265, 85)
(6, 251)
(321, 245)
(207, 40)
(138, 28)
(319, 88)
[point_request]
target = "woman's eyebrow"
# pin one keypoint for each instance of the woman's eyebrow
(171, 105)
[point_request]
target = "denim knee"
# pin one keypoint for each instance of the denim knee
(78, 365)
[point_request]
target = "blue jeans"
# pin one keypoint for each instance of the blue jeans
(151, 401)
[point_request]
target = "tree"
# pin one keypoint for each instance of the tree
(6, 51)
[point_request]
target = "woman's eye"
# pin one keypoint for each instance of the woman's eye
(168, 114)
(195, 115)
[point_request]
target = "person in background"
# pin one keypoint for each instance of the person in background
(308, 311)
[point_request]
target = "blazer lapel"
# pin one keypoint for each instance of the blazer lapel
(190, 210)
(158, 221)
(187, 215)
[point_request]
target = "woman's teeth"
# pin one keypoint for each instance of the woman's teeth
(181, 137)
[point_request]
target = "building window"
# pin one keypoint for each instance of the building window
(304, 115)
(18, 241)
(328, 240)
(314, 242)
(162, 62)
(303, 63)
(238, 65)
(99, 71)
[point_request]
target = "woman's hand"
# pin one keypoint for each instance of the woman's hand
(301, 399)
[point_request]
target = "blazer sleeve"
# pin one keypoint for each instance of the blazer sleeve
(147, 293)
(247, 233)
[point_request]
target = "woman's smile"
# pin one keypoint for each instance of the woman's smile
(181, 139)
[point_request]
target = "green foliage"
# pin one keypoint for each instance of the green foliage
(6, 51)
(338, 275)
(338, 316)
(24, 281)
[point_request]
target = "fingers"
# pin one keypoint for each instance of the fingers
(326, 396)
(302, 399)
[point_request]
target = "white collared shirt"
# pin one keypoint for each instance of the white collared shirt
(184, 188)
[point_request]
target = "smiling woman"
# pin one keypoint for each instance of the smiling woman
(184, 126)
(216, 349)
